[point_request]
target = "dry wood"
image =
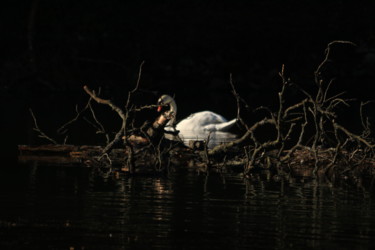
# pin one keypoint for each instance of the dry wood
(297, 143)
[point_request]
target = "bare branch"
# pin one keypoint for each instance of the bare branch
(248, 134)
(327, 52)
(37, 129)
(115, 108)
(62, 129)
(236, 95)
(103, 101)
(354, 136)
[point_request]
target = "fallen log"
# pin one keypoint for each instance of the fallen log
(66, 155)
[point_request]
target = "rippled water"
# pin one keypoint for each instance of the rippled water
(75, 208)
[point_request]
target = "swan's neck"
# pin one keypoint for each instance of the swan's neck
(172, 112)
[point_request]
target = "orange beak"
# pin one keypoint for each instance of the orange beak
(159, 108)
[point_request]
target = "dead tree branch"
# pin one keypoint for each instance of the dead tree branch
(37, 129)
(115, 108)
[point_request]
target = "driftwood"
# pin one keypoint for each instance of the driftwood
(63, 154)
(306, 139)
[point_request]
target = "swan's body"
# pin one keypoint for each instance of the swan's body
(206, 121)
(200, 121)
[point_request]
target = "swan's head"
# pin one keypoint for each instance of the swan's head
(165, 100)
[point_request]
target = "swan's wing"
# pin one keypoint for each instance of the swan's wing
(224, 126)
(207, 117)
(198, 120)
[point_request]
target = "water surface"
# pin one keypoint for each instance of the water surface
(61, 208)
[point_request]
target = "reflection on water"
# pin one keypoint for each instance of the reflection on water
(62, 208)
(213, 138)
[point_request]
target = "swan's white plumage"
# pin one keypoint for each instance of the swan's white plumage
(205, 120)
(200, 121)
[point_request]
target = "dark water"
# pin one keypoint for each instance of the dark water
(76, 208)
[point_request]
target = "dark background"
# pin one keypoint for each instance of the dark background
(51, 48)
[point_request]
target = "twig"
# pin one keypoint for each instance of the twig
(37, 129)
(122, 131)
(207, 158)
(159, 155)
(62, 129)
(365, 125)
(354, 136)
(115, 108)
(101, 127)
(103, 101)
(327, 54)
(236, 96)
(300, 138)
(224, 147)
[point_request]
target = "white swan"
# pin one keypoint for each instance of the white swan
(200, 121)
